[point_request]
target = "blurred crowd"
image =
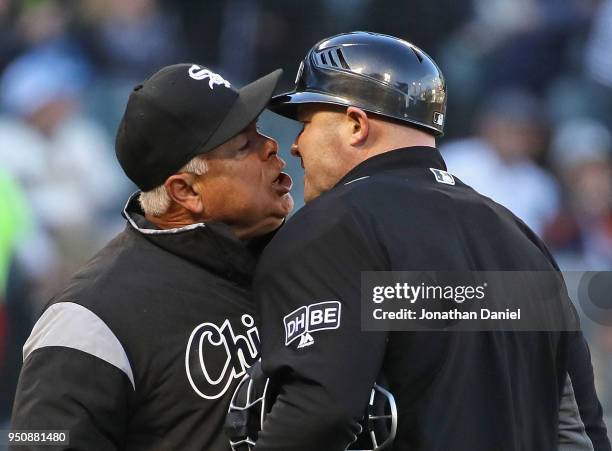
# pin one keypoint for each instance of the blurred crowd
(529, 118)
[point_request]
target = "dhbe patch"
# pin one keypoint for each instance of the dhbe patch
(304, 321)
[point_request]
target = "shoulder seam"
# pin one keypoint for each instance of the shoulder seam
(71, 325)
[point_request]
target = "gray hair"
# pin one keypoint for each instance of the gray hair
(156, 202)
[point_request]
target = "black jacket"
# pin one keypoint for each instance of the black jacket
(472, 391)
(143, 349)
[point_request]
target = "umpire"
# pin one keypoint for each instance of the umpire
(144, 347)
(379, 198)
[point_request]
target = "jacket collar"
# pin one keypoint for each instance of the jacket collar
(210, 245)
(396, 160)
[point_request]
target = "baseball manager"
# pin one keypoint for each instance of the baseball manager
(146, 344)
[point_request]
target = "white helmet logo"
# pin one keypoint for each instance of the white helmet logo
(198, 73)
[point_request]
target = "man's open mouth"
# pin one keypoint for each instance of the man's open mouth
(283, 183)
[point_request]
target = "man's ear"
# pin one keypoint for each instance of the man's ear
(182, 190)
(360, 125)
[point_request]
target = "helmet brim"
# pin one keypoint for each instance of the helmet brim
(287, 104)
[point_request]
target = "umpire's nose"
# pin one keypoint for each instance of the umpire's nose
(295, 150)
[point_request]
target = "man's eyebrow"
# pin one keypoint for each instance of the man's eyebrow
(238, 140)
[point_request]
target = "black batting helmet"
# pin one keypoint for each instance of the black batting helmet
(375, 72)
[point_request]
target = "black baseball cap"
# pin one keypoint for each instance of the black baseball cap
(182, 111)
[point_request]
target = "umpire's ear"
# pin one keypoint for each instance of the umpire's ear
(360, 126)
(182, 189)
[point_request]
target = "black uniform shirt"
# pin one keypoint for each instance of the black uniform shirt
(472, 391)
(144, 348)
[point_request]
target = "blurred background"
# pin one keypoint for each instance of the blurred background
(529, 119)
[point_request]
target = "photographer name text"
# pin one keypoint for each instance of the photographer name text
(423, 314)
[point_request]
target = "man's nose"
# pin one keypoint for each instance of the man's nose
(271, 151)
(270, 148)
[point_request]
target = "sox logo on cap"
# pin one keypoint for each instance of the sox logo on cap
(198, 73)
